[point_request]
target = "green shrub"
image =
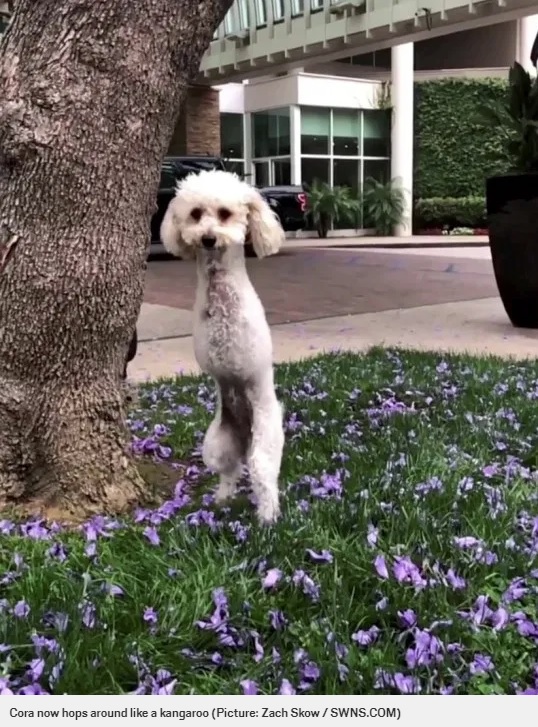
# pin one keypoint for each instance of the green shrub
(327, 205)
(451, 211)
(383, 205)
(454, 149)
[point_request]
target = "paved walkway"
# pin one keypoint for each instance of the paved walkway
(319, 300)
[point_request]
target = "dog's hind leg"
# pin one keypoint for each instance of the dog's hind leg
(265, 453)
(222, 451)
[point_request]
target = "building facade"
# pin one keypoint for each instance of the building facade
(331, 120)
(301, 127)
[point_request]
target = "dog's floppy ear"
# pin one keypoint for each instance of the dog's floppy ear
(266, 233)
(171, 233)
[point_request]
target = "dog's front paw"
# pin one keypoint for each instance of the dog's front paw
(224, 492)
(268, 513)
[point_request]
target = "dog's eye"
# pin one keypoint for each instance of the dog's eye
(196, 214)
(224, 214)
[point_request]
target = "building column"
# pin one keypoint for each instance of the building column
(197, 130)
(247, 147)
(402, 77)
(527, 29)
(295, 145)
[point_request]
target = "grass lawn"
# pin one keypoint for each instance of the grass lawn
(405, 560)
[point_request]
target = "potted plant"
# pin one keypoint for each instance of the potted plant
(327, 205)
(512, 199)
(383, 205)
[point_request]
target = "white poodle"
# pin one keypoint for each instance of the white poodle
(209, 219)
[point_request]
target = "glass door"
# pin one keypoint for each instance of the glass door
(262, 173)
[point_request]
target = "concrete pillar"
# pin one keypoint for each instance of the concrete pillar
(527, 29)
(247, 150)
(198, 128)
(295, 144)
(402, 76)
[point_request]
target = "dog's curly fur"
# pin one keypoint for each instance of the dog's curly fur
(209, 220)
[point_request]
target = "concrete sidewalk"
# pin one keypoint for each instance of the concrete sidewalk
(477, 326)
(370, 241)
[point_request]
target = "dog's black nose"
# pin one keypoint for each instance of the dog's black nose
(209, 242)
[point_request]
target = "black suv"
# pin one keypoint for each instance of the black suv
(289, 202)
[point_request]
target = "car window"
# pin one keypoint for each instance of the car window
(168, 177)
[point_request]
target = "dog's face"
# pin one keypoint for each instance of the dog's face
(214, 210)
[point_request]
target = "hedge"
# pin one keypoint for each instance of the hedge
(454, 151)
(450, 211)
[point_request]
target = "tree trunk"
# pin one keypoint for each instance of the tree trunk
(89, 95)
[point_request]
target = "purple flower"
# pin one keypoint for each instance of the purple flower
(408, 618)
(406, 684)
(249, 687)
(481, 612)
(286, 688)
(500, 619)
(272, 577)
(5, 691)
(21, 609)
(258, 648)
(36, 669)
(220, 615)
(88, 614)
(405, 571)
(372, 535)
(467, 542)
(454, 581)
(525, 627)
(481, 664)
(113, 590)
(382, 604)
(381, 567)
(278, 620)
(152, 535)
(428, 650)
(366, 637)
(323, 557)
(150, 615)
(310, 588)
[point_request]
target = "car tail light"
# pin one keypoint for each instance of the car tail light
(303, 201)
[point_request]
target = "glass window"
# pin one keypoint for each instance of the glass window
(315, 130)
(271, 133)
(261, 13)
(278, 9)
(316, 4)
(346, 173)
(376, 133)
(236, 167)
(229, 22)
(261, 174)
(346, 132)
(314, 169)
(243, 14)
(379, 169)
(231, 136)
(281, 172)
(297, 7)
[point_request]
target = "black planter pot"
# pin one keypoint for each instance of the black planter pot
(512, 206)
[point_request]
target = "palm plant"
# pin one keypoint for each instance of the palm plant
(516, 120)
(327, 205)
(383, 205)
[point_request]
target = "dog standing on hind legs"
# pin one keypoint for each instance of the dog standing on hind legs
(209, 220)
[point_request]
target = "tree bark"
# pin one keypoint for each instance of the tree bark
(89, 95)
